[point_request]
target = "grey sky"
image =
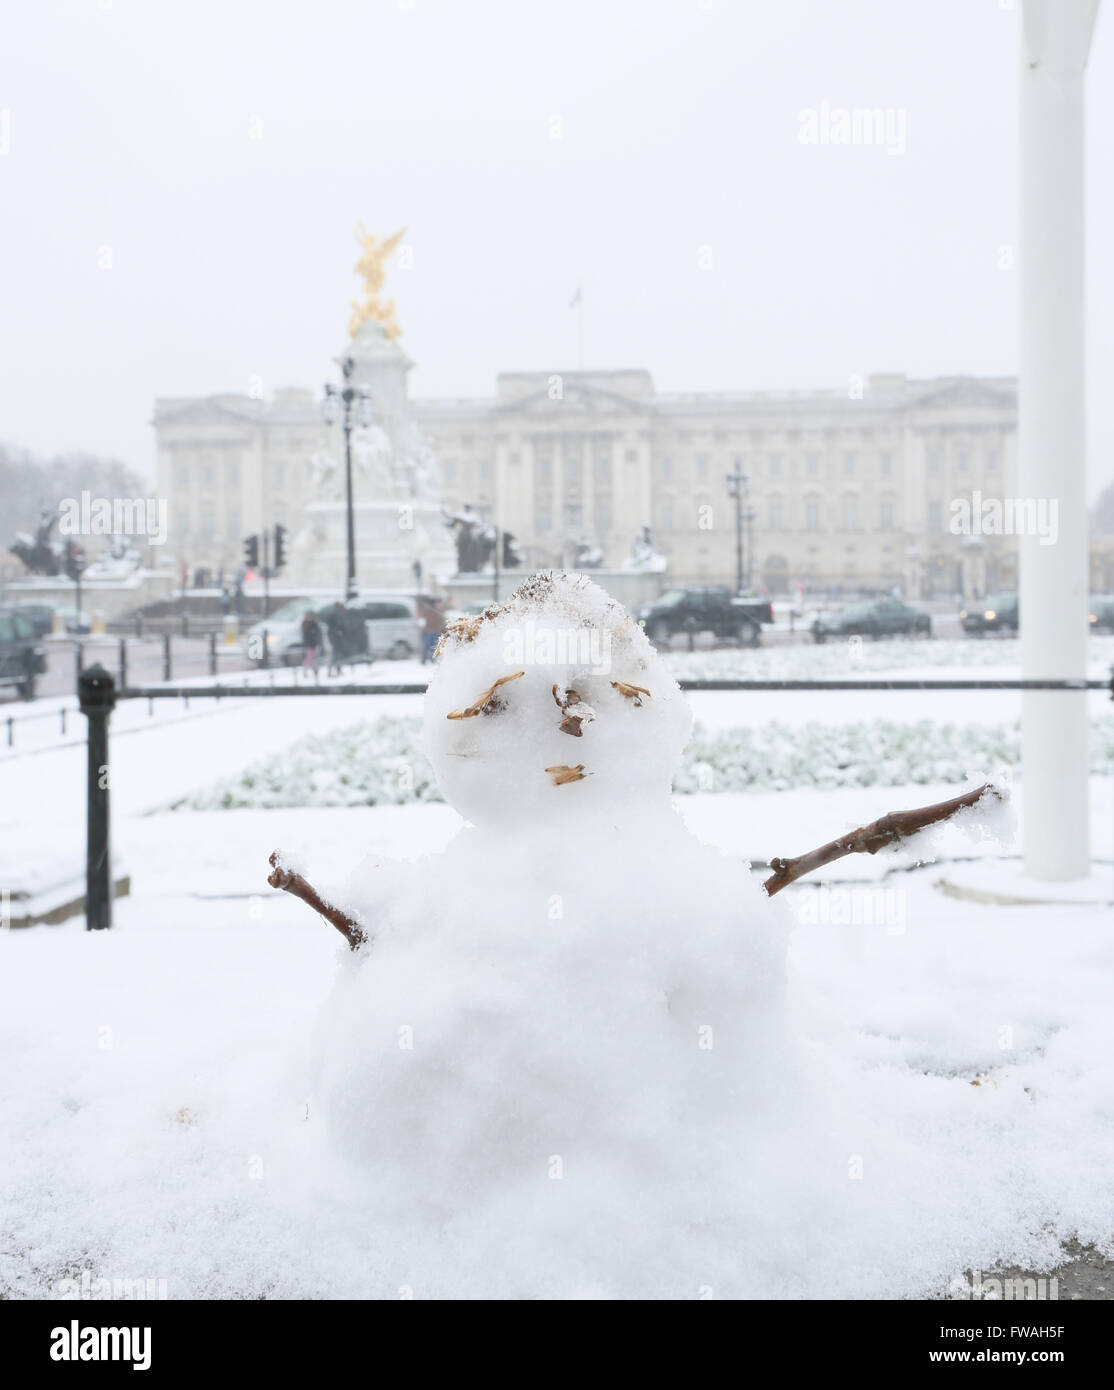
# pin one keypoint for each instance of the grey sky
(131, 127)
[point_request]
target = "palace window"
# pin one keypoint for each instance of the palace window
(775, 465)
(812, 465)
(703, 463)
(812, 516)
(934, 516)
(850, 513)
(886, 516)
(849, 464)
(886, 464)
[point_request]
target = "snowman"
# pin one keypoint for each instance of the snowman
(556, 1038)
(556, 1063)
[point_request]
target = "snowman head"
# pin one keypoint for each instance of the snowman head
(551, 707)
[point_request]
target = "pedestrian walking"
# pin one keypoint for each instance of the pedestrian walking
(311, 641)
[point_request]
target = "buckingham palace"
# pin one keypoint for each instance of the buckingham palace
(848, 490)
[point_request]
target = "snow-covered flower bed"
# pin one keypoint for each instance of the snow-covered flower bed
(373, 763)
(381, 761)
(852, 659)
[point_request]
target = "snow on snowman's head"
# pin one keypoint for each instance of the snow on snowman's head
(550, 706)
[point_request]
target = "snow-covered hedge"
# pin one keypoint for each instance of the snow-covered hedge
(373, 763)
(838, 657)
(381, 762)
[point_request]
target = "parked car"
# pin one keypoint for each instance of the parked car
(705, 609)
(390, 620)
(1102, 613)
(881, 617)
(22, 660)
(40, 616)
(996, 613)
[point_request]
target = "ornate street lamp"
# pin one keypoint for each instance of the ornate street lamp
(335, 398)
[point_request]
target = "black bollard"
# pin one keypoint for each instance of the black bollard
(166, 656)
(266, 648)
(97, 697)
(212, 653)
(123, 663)
(79, 656)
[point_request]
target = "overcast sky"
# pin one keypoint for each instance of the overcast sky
(133, 126)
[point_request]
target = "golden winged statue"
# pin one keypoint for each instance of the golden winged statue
(376, 251)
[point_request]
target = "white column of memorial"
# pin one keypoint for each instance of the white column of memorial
(1055, 39)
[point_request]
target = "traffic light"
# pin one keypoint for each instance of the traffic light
(74, 560)
(280, 546)
(251, 552)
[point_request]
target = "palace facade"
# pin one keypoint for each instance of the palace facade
(844, 490)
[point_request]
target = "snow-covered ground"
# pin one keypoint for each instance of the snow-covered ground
(157, 1121)
(156, 1117)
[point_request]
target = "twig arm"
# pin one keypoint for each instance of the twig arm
(869, 839)
(290, 882)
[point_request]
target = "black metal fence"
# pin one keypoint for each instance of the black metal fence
(98, 695)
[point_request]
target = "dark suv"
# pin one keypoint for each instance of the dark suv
(714, 609)
(22, 660)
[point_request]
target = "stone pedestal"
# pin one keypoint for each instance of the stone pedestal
(396, 487)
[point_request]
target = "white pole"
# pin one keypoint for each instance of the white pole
(1056, 37)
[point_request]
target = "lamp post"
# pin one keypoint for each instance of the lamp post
(738, 487)
(334, 400)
